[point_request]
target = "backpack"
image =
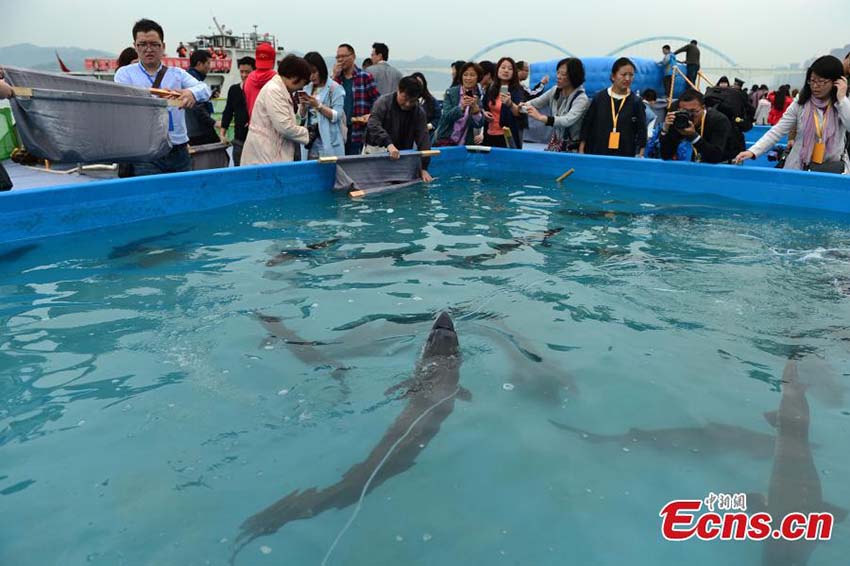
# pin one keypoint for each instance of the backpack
(733, 104)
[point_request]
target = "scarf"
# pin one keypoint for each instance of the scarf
(458, 135)
(807, 137)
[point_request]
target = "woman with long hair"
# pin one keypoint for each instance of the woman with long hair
(779, 103)
(567, 103)
(501, 106)
(462, 109)
(273, 133)
(821, 116)
(323, 105)
(431, 104)
(456, 71)
(615, 123)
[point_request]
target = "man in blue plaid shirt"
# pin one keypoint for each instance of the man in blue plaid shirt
(360, 94)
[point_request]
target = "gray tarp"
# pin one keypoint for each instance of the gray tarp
(376, 172)
(76, 120)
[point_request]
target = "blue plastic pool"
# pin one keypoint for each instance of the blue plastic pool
(147, 409)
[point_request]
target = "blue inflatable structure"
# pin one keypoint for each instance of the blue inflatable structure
(648, 74)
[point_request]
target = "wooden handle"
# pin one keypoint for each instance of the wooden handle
(565, 175)
(164, 93)
(23, 92)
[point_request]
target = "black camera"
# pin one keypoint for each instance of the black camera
(681, 120)
(313, 130)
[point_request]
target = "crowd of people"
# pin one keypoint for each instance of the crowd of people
(298, 109)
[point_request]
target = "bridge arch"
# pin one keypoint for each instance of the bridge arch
(504, 42)
(668, 38)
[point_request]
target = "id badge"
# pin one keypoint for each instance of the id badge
(614, 140)
(819, 153)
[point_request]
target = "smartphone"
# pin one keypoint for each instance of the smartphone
(504, 89)
(469, 92)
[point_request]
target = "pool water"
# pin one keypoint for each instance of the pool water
(147, 410)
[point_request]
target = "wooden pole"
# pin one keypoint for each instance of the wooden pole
(565, 175)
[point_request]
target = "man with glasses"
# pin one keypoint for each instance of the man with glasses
(149, 72)
(708, 131)
(360, 94)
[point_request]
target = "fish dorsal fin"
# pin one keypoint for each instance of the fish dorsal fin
(772, 417)
(838, 513)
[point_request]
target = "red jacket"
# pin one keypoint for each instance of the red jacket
(775, 114)
(254, 84)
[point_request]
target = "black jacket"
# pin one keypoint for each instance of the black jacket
(716, 144)
(598, 123)
(200, 125)
(389, 124)
(236, 110)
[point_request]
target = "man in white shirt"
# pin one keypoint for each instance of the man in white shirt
(149, 41)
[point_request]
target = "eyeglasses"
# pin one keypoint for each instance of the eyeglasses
(146, 45)
(820, 82)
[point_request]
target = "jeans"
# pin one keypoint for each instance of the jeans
(352, 148)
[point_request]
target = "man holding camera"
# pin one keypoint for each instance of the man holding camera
(708, 131)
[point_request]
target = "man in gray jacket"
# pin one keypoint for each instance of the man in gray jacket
(386, 76)
(691, 52)
(398, 121)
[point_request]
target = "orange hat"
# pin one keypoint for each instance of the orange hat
(265, 56)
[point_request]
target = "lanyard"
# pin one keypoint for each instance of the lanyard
(615, 115)
(819, 126)
(701, 130)
(151, 78)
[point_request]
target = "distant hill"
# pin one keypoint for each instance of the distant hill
(44, 58)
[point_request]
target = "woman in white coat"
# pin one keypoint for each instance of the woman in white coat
(821, 116)
(273, 134)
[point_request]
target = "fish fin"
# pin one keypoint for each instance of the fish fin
(839, 513)
(772, 417)
(464, 394)
(756, 503)
(399, 385)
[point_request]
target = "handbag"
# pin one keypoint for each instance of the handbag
(836, 167)
(5, 181)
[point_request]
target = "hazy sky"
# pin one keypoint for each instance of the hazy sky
(751, 32)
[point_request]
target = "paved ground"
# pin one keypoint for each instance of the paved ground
(29, 178)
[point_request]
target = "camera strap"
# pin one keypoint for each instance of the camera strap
(700, 132)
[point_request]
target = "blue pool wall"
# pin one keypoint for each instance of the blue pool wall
(35, 213)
